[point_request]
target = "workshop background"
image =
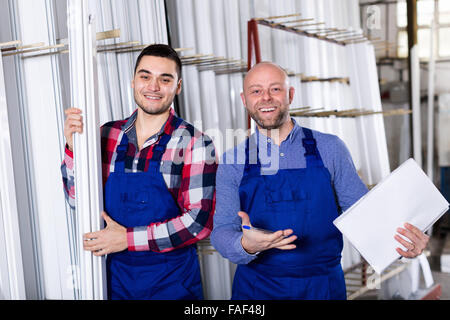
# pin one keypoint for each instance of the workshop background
(375, 73)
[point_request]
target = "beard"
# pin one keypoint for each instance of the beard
(270, 124)
(152, 110)
(158, 111)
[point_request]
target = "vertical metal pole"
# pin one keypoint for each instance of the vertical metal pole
(253, 43)
(414, 80)
(249, 44)
(431, 72)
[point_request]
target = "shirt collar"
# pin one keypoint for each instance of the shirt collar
(165, 127)
(294, 132)
(291, 136)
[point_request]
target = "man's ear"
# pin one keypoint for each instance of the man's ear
(243, 99)
(291, 94)
(132, 84)
(179, 86)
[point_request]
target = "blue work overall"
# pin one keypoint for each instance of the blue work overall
(302, 200)
(139, 199)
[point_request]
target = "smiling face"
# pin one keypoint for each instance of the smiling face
(267, 95)
(155, 84)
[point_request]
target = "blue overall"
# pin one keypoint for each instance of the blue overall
(139, 199)
(302, 200)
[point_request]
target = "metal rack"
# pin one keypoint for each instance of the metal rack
(360, 280)
(333, 35)
(205, 62)
(350, 113)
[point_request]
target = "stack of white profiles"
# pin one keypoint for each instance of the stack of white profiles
(90, 280)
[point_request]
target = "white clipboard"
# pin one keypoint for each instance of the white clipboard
(406, 195)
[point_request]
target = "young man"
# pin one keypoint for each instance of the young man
(159, 188)
(314, 182)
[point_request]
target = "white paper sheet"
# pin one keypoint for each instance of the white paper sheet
(406, 195)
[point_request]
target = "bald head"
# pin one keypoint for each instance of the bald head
(268, 68)
(267, 95)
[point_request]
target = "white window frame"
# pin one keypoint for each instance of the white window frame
(438, 25)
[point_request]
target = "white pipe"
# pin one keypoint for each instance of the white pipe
(12, 283)
(88, 186)
(415, 91)
(40, 102)
(431, 73)
(353, 52)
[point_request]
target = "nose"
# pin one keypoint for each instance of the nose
(153, 85)
(266, 95)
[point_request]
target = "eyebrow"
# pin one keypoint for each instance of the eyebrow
(162, 74)
(260, 86)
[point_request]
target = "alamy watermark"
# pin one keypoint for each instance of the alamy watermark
(262, 147)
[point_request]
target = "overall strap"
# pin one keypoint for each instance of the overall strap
(249, 163)
(312, 154)
(160, 147)
(119, 165)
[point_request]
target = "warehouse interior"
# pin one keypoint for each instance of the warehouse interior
(375, 73)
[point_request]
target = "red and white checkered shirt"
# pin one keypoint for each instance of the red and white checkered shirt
(190, 181)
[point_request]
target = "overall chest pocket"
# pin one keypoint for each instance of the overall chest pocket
(286, 203)
(135, 200)
(283, 188)
(275, 196)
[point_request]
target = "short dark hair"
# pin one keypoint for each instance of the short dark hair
(160, 50)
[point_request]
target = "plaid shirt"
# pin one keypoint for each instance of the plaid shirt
(191, 183)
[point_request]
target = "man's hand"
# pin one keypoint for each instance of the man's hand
(111, 239)
(255, 241)
(73, 123)
(417, 241)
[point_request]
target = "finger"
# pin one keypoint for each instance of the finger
(74, 116)
(91, 235)
(284, 242)
(74, 119)
(75, 129)
(262, 236)
(275, 237)
(410, 235)
(421, 235)
(413, 229)
(287, 247)
(87, 245)
(284, 236)
(418, 244)
(245, 218)
(406, 254)
(71, 125)
(74, 125)
(107, 218)
(72, 111)
(287, 232)
(100, 252)
(408, 245)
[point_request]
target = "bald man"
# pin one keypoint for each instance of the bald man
(278, 193)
